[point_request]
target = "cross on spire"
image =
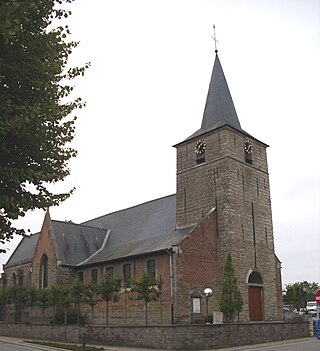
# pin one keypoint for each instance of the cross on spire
(215, 39)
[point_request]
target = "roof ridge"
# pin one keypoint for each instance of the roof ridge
(78, 224)
(128, 208)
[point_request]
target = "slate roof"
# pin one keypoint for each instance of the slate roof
(76, 242)
(138, 230)
(146, 228)
(24, 251)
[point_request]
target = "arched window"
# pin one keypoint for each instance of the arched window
(13, 279)
(20, 277)
(29, 278)
(255, 278)
(43, 281)
(151, 268)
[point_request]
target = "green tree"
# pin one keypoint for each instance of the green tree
(21, 300)
(297, 294)
(76, 293)
(3, 301)
(90, 297)
(43, 301)
(32, 300)
(148, 289)
(55, 299)
(231, 301)
(35, 123)
(109, 290)
(65, 300)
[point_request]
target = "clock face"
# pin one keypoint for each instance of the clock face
(248, 146)
(200, 147)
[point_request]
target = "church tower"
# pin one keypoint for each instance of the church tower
(223, 167)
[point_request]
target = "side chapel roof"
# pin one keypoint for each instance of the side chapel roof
(76, 242)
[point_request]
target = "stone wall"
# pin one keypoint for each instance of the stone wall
(177, 337)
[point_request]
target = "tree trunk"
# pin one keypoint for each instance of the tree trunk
(92, 315)
(107, 312)
(146, 304)
(78, 313)
(65, 314)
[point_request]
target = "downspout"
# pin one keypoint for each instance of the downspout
(170, 252)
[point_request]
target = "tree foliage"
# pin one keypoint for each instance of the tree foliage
(109, 289)
(148, 289)
(231, 301)
(297, 294)
(35, 123)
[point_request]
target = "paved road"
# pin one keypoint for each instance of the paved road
(306, 344)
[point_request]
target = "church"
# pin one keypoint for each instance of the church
(222, 205)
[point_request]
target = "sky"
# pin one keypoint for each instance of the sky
(151, 63)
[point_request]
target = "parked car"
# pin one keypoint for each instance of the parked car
(312, 308)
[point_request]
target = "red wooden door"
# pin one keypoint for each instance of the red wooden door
(255, 303)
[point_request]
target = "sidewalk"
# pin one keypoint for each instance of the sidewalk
(17, 341)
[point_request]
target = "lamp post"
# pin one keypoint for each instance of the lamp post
(207, 293)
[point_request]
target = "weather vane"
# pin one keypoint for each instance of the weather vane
(215, 39)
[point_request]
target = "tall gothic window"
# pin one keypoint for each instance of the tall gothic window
(43, 281)
(151, 267)
(126, 275)
(29, 278)
(13, 279)
(20, 277)
(94, 275)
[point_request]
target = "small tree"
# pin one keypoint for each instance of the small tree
(54, 294)
(43, 300)
(109, 290)
(76, 294)
(32, 300)
(3, 300)
(90, 297)
(22, 300)
(231, 301)
(148, 289)
(65, 299)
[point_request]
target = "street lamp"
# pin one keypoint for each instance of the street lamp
(207, 293)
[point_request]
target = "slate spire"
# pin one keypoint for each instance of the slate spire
(219, 109)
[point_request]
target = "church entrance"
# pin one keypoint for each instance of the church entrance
(255, 297)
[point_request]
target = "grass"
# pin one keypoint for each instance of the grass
(66, 346)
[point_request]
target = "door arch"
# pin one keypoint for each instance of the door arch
(255, 293)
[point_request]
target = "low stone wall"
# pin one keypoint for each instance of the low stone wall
(175, 337)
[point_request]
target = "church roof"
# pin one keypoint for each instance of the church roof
(142, 229)
(24, 252)
(76, 242)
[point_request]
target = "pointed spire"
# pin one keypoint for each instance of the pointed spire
(219, 109)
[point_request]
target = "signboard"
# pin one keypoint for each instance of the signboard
(318, 297)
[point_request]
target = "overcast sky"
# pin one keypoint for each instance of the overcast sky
(146, 91)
